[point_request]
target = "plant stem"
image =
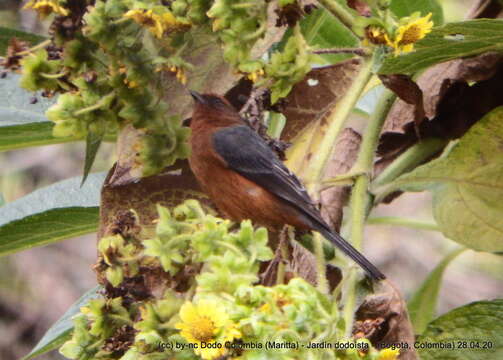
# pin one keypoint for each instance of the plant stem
(36, 47)
(339, 11)
(399, 221)
(336, 120)
(321, 274)
(356, 51)
(53, 76)
(360, 199)
(407, 161)
(104, 100)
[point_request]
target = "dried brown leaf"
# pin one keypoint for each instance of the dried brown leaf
(383, 319)
(11, 60)
(409, 92)
(360, 6)
(169, 188)
(485, 9)
(311, 99)
(344, 155)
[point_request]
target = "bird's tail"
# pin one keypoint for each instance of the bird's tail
(354, 254)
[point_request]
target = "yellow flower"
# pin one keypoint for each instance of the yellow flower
(255, 75)
(46, 7)
(375, 35)
(147, 18)
(388, 354)
(157, 24)
(208, 323)
(410, 33)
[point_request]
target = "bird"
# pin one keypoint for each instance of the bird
(245, 178)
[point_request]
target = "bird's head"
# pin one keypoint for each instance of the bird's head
(211, 108)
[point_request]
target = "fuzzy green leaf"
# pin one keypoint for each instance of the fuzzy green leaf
(322, 30)
(448, 42)
(6, 34)
(403, 8)
(475, 332)
(31, 134)
(56, 212)
(93, 142)
(466, 186)
(15, 103)
(423, 304)
(61, 330)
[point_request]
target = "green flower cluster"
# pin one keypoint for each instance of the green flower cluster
(239, 24)
(224, 307)
(288, 67)
(107, 67)
(191, 11)
(107, 73)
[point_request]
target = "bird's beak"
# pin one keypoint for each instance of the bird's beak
(197, 97)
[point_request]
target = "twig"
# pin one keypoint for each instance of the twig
(336, 119)
(360, 199)
(399, 221)
(339, 11)
(411, 158)
(356, 51)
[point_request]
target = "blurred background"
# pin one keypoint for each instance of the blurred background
(37, 286)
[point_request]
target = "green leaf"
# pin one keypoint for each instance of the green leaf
(470, 332)
(423, 304)
(403, 8)
(15, 103)
(59, 211)
(93, 142)
(32, 134)
(62, 329)
(6, 34)
(448, 42)
(322, 30)
(466, 186)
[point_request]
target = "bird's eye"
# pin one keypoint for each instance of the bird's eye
(217, 102)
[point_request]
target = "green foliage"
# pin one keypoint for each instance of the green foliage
(448, 42)
(466, 187)
(57, 212)
(403, 8)
(223, 292)
(15, 105)
(239, 24)
(39, 72)
(33, 134)
(288, 67)
(470, 332)
(322, 30)
(61, 331)
(6, 34)
(423, 304)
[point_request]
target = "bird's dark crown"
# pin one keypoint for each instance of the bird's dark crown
(211, 100)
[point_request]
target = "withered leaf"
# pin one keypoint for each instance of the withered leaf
(169, 188)
(383, 319)
(300, 262)
(344, 155)
(360, 6)
(311, 99)
(409, 92)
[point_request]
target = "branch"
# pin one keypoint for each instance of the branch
(407, 161)
(360, 200)
(356, 51)
(399, 221)
(339, 11)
